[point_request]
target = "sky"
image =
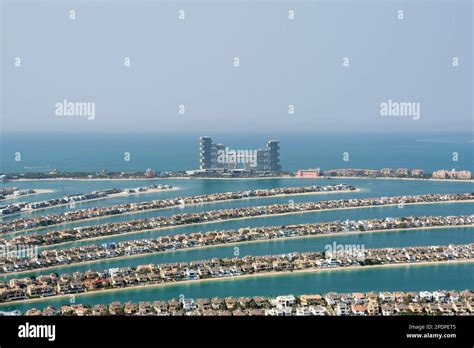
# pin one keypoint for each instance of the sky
(190, 64)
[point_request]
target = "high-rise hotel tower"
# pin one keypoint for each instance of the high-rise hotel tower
(267, 159)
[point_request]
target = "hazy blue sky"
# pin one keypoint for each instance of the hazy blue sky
(282, 62)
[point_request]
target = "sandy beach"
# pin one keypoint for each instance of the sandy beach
(221, 245)
(37, 192)
(240, 277)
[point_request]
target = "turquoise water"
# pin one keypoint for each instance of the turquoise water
(351, 214)
(170, 152)
(394, 239)
(403, 278)
(368, 188)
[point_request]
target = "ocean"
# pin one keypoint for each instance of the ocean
(172, 152)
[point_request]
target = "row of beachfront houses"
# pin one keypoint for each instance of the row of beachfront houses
(86, 253)
(19, 207)
(53, 219)
(71, 199)
(388, 173)
(13, 192)
(114, 228)
(7, 191)
(53, 284)
(439, 302)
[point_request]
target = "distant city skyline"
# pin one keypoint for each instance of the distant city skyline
(326, 70)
